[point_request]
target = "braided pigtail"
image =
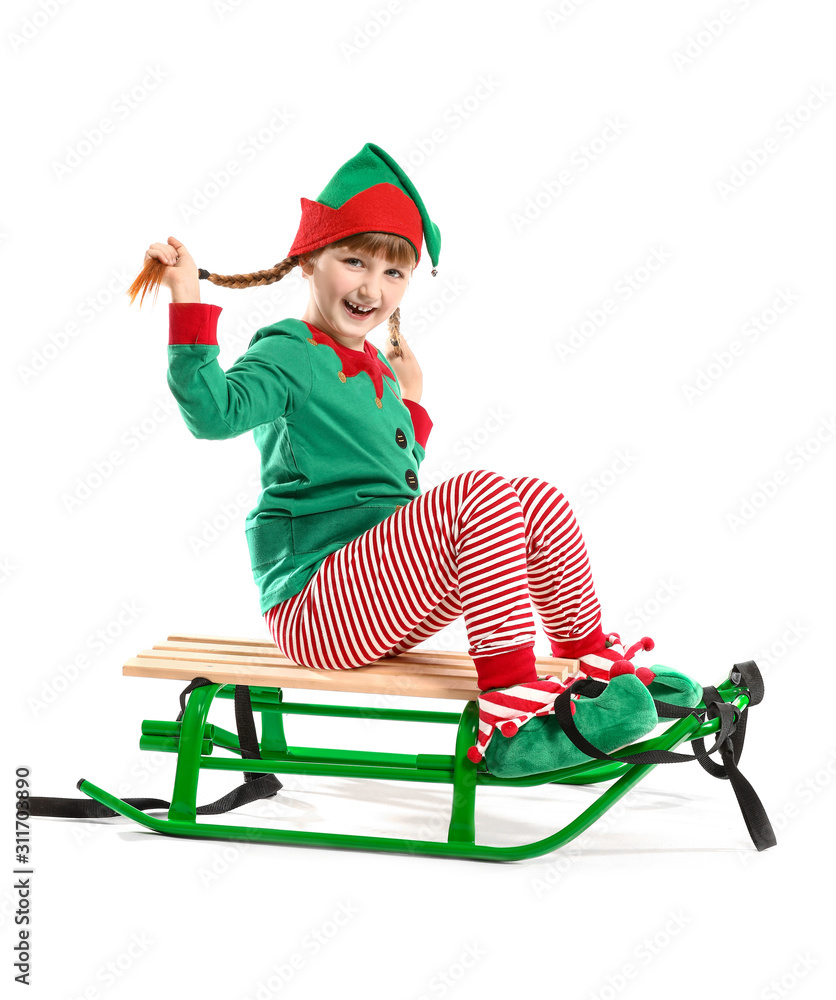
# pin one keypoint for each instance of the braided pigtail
(252, 278)
(394, 331)
(150, 277)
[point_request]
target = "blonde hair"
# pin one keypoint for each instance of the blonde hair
(395, 248)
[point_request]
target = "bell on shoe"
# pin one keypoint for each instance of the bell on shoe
(664, 684)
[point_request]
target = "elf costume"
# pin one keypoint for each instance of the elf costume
(353, 562)
(340, 449)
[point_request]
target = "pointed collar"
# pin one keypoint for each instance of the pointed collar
(354, 362)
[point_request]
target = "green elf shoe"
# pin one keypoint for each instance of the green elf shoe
(621, 714)
(663, 683)
(673, 687)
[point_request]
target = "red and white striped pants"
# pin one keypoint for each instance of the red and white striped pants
(478, 544)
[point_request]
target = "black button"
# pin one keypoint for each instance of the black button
(400, 437)
(411, 479)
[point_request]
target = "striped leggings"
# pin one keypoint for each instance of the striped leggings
(478, 544)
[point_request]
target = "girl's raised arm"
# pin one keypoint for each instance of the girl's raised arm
(270, 380)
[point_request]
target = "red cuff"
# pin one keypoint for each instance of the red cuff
(516, 666)
(193, 323)
(420, 421)
(573, 649)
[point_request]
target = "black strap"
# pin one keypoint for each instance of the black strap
(746, 674)
(256, 785)
(591, 689)
(729, 741)
(195, 682)
(86, 808)
(247, 736)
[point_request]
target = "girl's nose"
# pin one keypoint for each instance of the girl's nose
(370, 290)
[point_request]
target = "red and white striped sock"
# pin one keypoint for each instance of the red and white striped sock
(506, 709)
(602, 655)
(612, 659)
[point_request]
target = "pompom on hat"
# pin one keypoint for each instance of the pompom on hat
(369, 193)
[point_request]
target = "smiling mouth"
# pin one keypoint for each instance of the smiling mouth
(357, 313)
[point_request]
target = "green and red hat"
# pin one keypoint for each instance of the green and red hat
(370, 193)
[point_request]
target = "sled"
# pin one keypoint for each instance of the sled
(255, 674)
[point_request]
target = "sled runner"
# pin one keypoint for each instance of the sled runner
(256, 676)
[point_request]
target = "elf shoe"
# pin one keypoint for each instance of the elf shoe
(663, 683)
(507, 709)
(620, 715)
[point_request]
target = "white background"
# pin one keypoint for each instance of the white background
(723, 166)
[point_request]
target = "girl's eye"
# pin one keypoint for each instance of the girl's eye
(355, 260)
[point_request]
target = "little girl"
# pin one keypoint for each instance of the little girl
(353, 563)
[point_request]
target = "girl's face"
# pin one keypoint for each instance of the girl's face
(342, 276)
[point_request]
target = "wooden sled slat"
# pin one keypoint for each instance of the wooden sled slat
(232, 660)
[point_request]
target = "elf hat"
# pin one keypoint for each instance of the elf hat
(370, 193)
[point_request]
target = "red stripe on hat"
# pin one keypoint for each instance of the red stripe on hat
(382, 208)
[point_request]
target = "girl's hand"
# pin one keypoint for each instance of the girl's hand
(180, 267)
(403, 364)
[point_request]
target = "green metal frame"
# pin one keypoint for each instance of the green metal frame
(193, 739)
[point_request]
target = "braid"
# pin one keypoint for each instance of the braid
(251, 278)
(394, 331)
(150, 277)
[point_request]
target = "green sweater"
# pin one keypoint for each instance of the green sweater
(340, 448)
